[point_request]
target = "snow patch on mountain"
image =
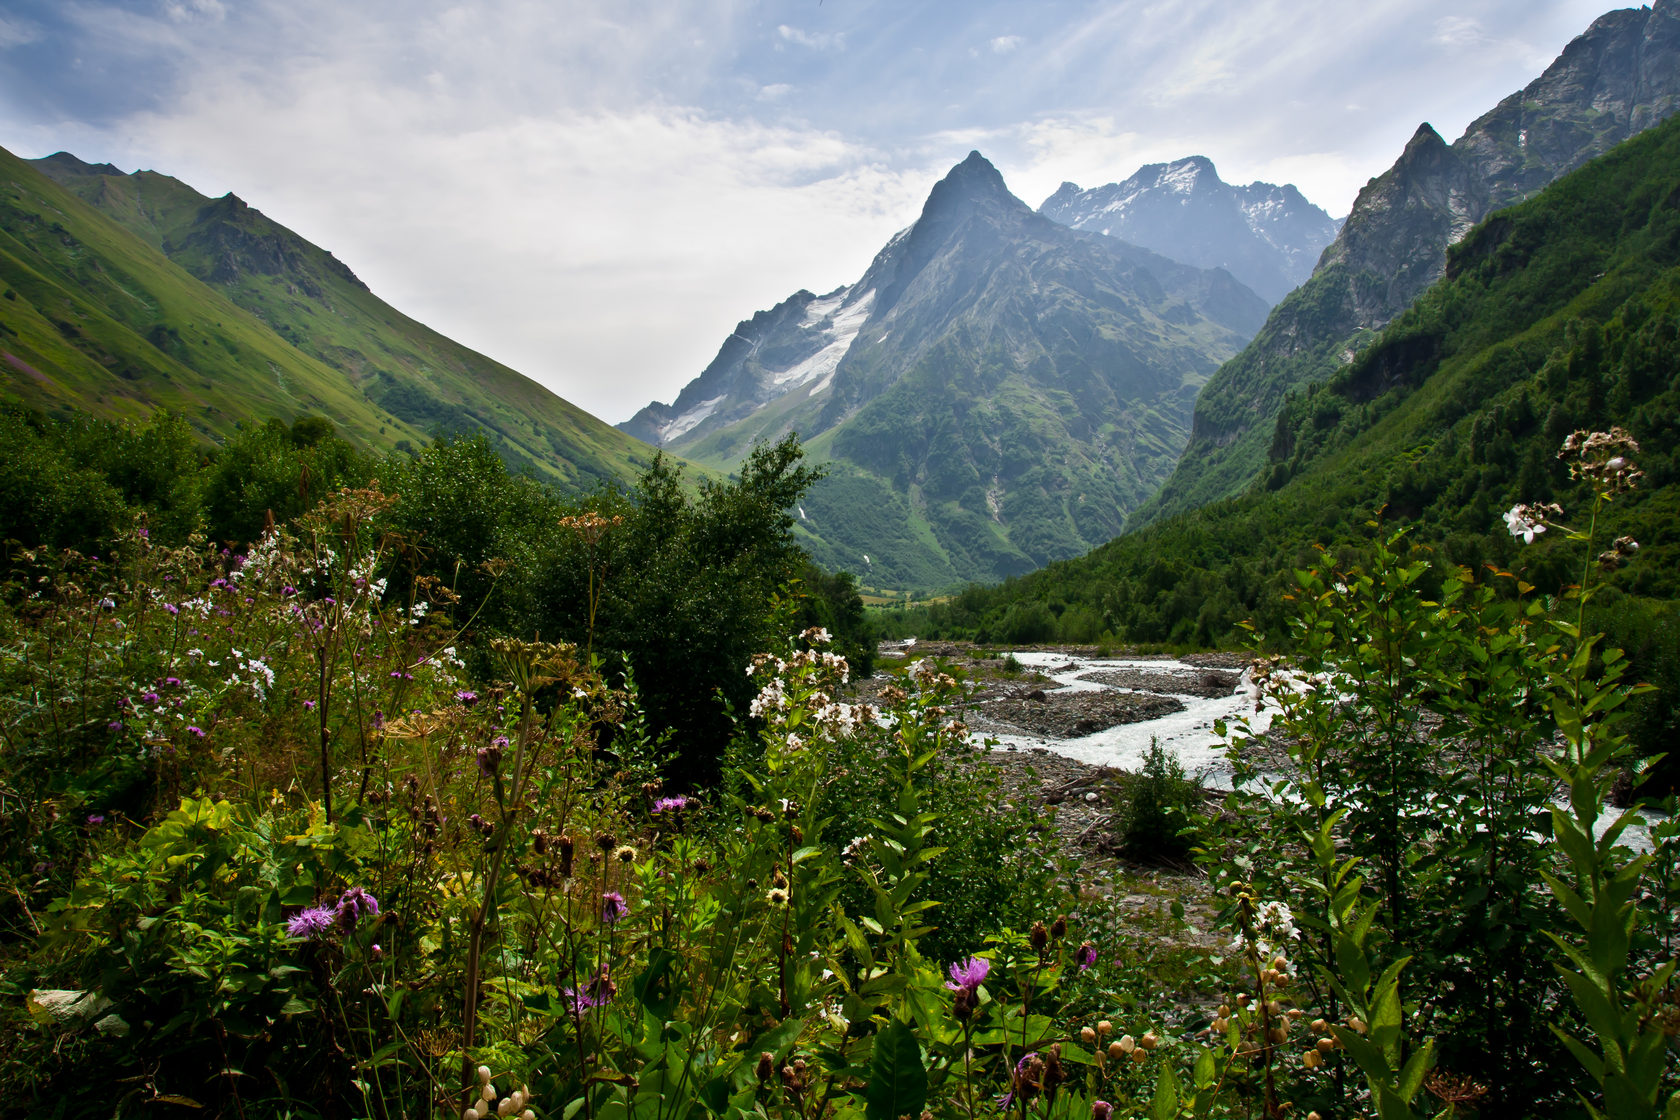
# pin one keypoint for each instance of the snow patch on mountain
(842, 325)
(689, 420)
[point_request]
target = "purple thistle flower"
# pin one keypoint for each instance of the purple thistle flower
(578, 1002)
(467, 697)
(613, 908)
(968, 976)
(198, 731)
(114, 725)
(354, 904)
(96, 818)
(1086, 956)
(173, 682)
(378, 719)
(149, 698)
(311, 923)
(309, 705)
(172, 608)
(673, 804)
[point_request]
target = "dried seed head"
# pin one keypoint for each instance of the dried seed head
(1149, 1040)
(1038, 937)
(1115, 1050)
(1058, 928)
(1087, 1036)
(1311, 1059)
(606, 841)
(1104, 1029)
(766, 1066)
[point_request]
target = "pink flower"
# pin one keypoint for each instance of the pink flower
(613, 908)
(968, 976)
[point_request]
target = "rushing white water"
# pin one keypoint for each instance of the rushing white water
(1189, 735)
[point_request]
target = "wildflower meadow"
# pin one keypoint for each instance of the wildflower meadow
(291, 831)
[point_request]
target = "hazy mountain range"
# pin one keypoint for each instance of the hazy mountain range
(1001, 389)
(1267, 236)
(995, 391)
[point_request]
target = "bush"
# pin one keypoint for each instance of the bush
(1159, 810)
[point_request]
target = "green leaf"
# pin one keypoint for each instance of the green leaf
(1164, 1106)
(658, 987)
(897, 1079)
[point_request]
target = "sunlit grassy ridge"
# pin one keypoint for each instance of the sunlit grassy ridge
(134, 292)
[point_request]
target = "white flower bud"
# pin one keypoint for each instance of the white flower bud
(484, 1075)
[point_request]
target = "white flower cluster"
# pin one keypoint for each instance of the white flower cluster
(361, 576)
(257, 675)
(1274, 924)
(321, 563)
(260, 559)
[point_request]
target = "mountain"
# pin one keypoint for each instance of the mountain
(1266, 236)
(1557, 314)
(128, 293)
(1620, 77)
(995, 392)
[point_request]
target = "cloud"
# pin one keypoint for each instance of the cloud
(15, 32)
(1458, 32)
(595, 192)
(604, 253)
(816, 40)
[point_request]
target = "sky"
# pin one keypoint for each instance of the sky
(595, 192)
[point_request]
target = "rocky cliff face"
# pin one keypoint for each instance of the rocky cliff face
(994, 393)
(1612, 82)
(1266, 236)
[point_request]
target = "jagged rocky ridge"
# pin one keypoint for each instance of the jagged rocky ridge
(1267, 236)
(1618, 78)
(995, 392)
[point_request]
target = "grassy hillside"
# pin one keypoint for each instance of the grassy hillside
(128, 293)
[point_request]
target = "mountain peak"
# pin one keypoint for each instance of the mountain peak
(65, 163)
(974, 177)
(1423, 139)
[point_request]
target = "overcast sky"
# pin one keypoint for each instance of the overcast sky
(595, 191)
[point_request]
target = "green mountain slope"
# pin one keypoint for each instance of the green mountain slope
(1557, 314)
(995, 393)
(1619, 77)
(127, 293)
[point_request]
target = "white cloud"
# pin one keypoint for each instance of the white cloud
(15, 32)
(596, 192)
(1458, 32)
(605, 254)
(816, 40)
